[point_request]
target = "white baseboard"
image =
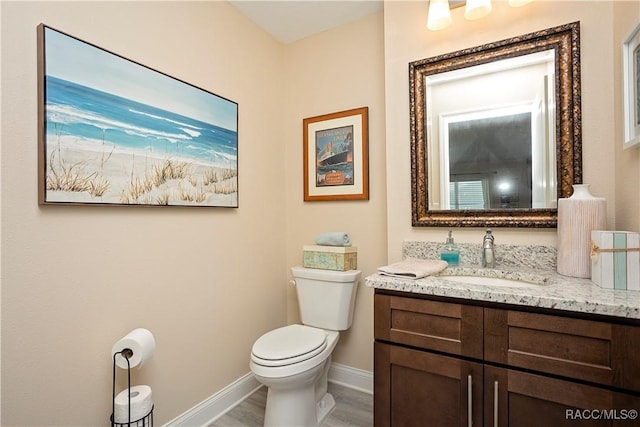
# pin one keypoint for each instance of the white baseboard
(354, 378)
(217, 404)
(223, 401)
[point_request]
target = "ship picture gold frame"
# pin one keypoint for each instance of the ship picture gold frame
(336, 156)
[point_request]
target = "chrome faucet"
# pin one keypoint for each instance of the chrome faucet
(488, 252)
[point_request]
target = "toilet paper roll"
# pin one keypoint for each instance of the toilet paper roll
(141, 342)
(141, 404)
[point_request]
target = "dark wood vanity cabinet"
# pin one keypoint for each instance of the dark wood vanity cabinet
(444, 363)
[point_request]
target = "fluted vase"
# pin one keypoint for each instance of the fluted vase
(578, 215)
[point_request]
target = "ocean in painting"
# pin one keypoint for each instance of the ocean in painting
(90, 114)
(104, 148)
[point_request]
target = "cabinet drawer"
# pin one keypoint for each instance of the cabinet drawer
(598, 352)
(446, 327)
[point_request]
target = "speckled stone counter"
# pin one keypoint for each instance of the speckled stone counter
(534, 264)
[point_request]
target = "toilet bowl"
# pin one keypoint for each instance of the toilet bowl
(293, 361)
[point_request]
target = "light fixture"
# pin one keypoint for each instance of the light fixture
(504, 186)
(439, 15)
(477, 9)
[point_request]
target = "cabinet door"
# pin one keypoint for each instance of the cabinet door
(422, 389)
(529, 400)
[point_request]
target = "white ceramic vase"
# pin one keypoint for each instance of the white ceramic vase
(578, 215)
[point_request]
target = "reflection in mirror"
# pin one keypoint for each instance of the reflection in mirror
(496, 131)
(493, 146)
(487, 164)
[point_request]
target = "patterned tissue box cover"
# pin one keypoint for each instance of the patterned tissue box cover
(337, 258)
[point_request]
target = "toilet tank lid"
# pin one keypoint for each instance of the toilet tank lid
(325, 275)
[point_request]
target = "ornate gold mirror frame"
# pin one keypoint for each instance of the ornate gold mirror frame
(565, 41)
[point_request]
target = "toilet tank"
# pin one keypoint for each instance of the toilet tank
(326, 297)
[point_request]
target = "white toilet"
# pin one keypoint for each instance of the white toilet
(293, 361)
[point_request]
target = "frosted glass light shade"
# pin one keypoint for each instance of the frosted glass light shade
(477, 9)
(518, 3)
(439, 15)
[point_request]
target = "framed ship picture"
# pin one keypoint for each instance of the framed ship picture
(336, 156)
(114, 132)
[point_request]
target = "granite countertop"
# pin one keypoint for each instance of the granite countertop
(552, 290)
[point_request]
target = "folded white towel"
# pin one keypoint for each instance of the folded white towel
(333, 238)
(413, 268)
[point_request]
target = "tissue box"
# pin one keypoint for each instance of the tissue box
(330, 257)
(612, 265)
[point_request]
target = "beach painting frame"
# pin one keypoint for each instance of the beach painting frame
(113, 132)
(336, 156)
(631, 88)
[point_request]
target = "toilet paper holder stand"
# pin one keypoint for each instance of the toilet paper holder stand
(147, 420)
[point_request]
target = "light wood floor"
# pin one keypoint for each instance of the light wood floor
(353, 409)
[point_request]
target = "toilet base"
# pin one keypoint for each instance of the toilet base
(304, 402)
(276, 415)
(293, 403)
(324, 407)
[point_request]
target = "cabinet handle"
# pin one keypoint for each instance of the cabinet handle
(495, 404)
(469, 401)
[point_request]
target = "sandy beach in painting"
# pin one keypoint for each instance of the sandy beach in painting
(90, 171)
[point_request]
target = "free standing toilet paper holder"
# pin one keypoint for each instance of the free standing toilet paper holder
(147, 420)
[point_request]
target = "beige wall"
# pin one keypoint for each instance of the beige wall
(407, 39)
(206, 282)
(335, 71)
(627, 168)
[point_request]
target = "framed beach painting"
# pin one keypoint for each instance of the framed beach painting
(336, 156)
(631, 88)
(114, 132)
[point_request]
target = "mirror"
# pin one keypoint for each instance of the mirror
(496, 132)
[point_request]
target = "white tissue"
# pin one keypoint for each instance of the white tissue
(141, 404)
(141, 342)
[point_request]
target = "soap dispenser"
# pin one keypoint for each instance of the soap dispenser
(450, 252)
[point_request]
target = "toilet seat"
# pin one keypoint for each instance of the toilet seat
(288, 345)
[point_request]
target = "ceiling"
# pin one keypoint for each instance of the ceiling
(288, 20)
